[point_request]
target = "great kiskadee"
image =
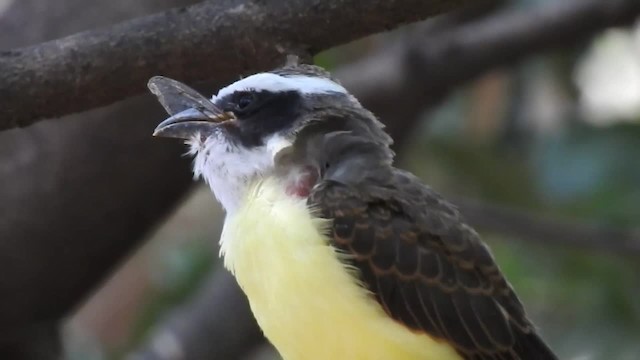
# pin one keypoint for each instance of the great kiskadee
(341, 255)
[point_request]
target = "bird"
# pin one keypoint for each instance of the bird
(341, 254)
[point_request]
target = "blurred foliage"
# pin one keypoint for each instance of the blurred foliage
(183, 269)
(589, 171)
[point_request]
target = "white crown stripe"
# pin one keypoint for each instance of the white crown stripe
(277, 83)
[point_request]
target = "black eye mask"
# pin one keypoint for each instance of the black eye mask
(262, 113)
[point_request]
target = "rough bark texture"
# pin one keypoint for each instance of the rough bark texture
(209, 39)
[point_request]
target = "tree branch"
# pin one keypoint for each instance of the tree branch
(209, 39)
(408, 77)
(79, 194)
(507, 37)
(38, 342)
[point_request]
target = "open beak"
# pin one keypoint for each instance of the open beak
(185, 124)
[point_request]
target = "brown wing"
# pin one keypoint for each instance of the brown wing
(426, 268)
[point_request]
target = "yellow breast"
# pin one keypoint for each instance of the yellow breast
(304, 299)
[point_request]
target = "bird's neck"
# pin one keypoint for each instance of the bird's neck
(296, 181)
(300, 180)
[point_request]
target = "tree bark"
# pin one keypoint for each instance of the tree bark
(212, 39)
(76, 195)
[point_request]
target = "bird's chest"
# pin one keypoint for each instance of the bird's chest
(284, 265)
(305, 300)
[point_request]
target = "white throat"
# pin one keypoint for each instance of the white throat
(231, 170)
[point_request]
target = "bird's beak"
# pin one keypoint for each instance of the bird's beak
(186, 123)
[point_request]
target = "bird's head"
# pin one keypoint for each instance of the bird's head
(292, 123)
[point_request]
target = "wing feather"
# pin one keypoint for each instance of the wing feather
(426, 268)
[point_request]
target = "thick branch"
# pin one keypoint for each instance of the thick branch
(210, 39)
(38, 342)
(76, 195)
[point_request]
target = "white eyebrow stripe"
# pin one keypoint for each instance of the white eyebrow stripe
(277, 83)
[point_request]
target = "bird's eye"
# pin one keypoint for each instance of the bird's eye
(244, 101)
